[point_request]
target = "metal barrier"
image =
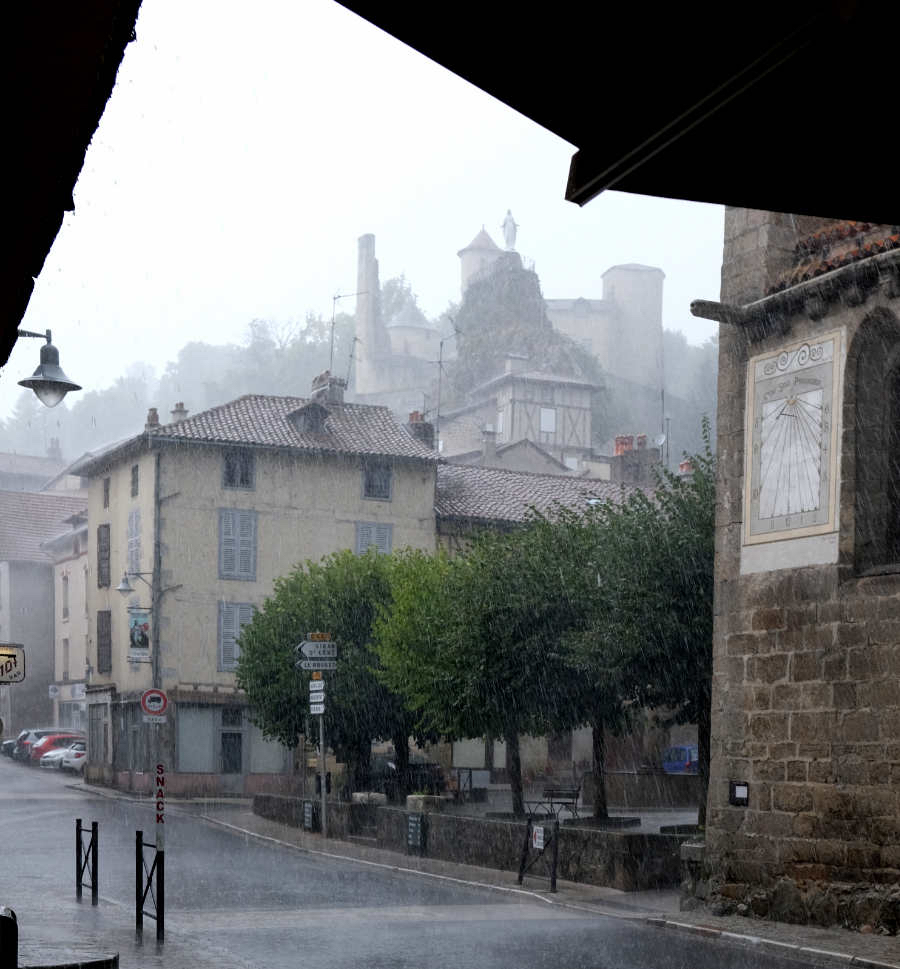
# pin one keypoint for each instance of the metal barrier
(142, 889)
(534, 837)
(86, 858)
(9, 938)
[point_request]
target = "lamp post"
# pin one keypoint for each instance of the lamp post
(48, 382)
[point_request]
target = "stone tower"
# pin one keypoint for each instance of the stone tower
(373, 343)
(477, 258)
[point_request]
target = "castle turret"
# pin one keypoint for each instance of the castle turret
(477, 258)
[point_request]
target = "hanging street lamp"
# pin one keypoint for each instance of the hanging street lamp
(48, 382)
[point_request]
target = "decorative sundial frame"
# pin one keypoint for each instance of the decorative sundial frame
(791, 439)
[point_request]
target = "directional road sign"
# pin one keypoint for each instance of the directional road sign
(317, 686)
(12, 663)
(317, 708)
(316, 664)
(317, 650)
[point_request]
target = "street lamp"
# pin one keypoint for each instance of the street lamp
(48, 382)
(126, 588)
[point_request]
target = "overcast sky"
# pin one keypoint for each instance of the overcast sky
(246, 147)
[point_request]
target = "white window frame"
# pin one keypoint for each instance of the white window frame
(237, 544)
(548, 420)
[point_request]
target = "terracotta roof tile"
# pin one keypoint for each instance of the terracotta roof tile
(497, 495)
(29, 518)
(833, 248)
(264, 421)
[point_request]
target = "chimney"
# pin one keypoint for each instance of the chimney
(421, 429)
(685, 467)
(642, 442)
(179, 412)
(328, 390)
(624, 443)
(152, 420)
(488, 447)
(54, 450)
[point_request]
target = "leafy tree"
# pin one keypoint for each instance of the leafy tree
(652, 617)
(472, 643)
(398, 298)
(341, 595)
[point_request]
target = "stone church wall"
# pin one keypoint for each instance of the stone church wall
(806, 683)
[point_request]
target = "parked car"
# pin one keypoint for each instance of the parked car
(424, 775)
(7, 747)
(51, 742)
(681, 759)
(74, 757)
(25, 740)
(53, 759)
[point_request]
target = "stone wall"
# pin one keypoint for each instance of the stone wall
(806, 681)
(628, 862)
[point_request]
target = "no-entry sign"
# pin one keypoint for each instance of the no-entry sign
(154, 704)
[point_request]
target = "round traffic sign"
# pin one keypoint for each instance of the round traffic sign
(154, 702)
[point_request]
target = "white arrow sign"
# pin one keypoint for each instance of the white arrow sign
(316, 686)
(317, 650)
(317, 708)
(316, 664)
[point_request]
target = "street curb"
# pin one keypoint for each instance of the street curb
(816, 957)
(809, 954)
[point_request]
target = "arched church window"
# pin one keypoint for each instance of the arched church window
(877, 450)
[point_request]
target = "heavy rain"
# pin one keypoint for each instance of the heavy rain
(402, 566)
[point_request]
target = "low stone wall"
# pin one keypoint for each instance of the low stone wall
(626, 861)
(646, 789)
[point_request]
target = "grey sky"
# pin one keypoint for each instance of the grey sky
(247, 146)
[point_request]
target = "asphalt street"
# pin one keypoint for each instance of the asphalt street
(237, 901)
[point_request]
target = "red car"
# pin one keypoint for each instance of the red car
(50, 742)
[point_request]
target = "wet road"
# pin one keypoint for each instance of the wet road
(262, 905)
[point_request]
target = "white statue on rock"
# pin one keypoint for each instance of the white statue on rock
(509, 230)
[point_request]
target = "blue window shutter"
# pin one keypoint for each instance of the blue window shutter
(364, 537)
(227, 544)
(246, 526)
(383, 535)
(227, 635)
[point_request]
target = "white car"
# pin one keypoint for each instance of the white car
(73, 757)
(53, 759)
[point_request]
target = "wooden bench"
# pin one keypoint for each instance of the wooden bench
(554, 799)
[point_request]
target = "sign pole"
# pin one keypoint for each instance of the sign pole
(322, 768)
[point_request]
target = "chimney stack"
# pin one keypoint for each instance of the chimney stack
(421, 429)
(488, 447)
(328, 390)
(642, 442)
(152, 420)
(624, 443)
(179, 412)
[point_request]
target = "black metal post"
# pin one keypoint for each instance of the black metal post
(554, 858)
(95, 856)
(523, 861)
(9, 938)
(78, 858)
(139, 882)
(160, 894)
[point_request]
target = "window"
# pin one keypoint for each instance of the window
(373, 535)
(65, 659)
(134, 480)
(104, 641)
(239, 469)
(106, 492)
(877, 458)
(548, 420)
(65, 597)
(87, 610)
(103, 556)
(134, 540)
(233, 616)
(377, 481)
(237, 544)
(499, 423)
(571, 462)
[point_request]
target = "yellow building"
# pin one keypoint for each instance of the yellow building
(202, 515)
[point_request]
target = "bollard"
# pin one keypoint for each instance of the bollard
(9, 939)
(554, 858)
(95, 857)
(78, 858)
(138, 882)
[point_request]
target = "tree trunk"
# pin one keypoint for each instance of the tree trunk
(703, 752)
(401, 755)
(598, 747)
(514, 766)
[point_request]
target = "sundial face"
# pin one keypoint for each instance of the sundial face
(792, 438)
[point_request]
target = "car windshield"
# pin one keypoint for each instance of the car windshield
(405, 547)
